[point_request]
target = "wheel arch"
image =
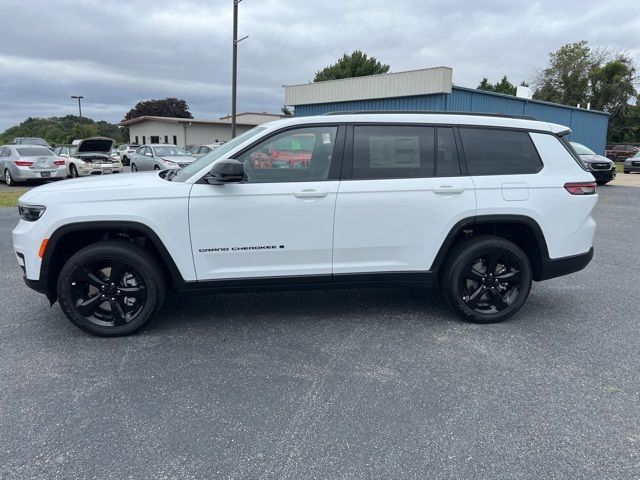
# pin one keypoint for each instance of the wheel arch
(522, 230)
(70, 238)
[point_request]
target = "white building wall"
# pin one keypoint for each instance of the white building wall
(402, 84)
(185, 134)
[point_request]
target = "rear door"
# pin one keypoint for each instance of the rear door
(403, 190)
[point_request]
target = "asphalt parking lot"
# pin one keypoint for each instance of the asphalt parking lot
(345, 384)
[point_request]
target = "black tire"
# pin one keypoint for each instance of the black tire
(134, 168)
(474, 290)
(625, 171)
(73, 171)
(156, 167)
(125, 161)
(85, 283)
(602, 182)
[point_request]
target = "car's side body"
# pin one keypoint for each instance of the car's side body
(20, 163)
(333, 231)
(198, 151)
(620, 152)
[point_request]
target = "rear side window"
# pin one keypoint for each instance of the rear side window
(393, 152)
(447, 154)
(499, 152)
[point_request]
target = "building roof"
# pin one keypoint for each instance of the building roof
(387, 85)
(145, 118)
(261, 114)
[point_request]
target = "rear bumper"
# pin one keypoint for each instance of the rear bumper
(557, 267)
(22, 175)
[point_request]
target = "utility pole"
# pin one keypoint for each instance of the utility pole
(79, 97)
(234, 67)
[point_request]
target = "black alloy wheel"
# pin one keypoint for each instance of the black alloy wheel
(486, 279)
(111, 287)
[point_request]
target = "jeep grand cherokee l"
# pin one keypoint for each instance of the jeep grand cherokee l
(480, 205)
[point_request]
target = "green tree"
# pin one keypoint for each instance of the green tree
(286, 111)
(168, 107)
(565, 80)
(503, 86)
(357, 64)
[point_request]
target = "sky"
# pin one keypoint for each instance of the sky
(118, 52)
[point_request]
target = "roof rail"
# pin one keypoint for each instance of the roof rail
(431, 112)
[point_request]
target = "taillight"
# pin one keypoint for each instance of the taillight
(23, 163)
(58, 162)
(581, 188)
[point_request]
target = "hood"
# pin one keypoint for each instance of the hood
(121, 188)
(96, 145)
(595, 158)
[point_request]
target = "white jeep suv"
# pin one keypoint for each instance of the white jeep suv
(480, 205)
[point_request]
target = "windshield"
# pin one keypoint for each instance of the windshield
(34, 152)
(169, 152)
(581, 149)
(73, 150)
(214, 154)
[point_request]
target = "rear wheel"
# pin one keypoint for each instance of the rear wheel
(8, 179)
(486, 279)
(111, 288)
(134, 168)
(73, 171)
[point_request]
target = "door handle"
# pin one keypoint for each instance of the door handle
(310, 194)
(447, 190)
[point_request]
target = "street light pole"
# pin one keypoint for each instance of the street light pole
(79, 97)
(234, 67)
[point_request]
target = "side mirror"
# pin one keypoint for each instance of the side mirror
(226, 171)
(149, 154)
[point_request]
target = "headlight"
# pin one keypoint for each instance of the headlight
(30, 213)
(169, 164)
(587, 165)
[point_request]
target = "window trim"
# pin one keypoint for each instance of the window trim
(336, 159)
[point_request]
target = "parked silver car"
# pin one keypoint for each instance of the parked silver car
(632, 164)
(20, 163)
(159, 156)
(198, 151)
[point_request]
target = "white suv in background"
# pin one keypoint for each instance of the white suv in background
(480, 205)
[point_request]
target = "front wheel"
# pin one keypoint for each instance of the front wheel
(134, 167)
(156, 167)
(125, 161)
(111, 288)
(486, 279)
(625, 171)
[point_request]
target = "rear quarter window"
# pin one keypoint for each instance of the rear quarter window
(499, 152)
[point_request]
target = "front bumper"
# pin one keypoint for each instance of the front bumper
(603, 175)
(630, 167)
(99, 170)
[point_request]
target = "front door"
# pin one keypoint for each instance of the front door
(279, 221)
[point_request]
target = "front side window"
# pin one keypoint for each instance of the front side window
(499, 152)
(298, 155)
(393, 152)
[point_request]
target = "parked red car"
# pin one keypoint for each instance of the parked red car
(290, 152)
(621, 152)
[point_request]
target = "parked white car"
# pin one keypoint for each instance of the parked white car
(125, 151)
(91, 156)
(481, 205)
(198, 151)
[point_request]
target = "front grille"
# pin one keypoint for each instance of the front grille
(636, 164)
(601, 166)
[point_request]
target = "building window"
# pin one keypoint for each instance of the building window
(144, 139)
(155, 139)
(175, 140)
(166, 139)
(137, 140)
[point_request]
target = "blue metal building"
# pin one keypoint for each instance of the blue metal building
(432, 90)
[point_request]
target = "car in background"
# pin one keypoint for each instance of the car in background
(21, 163)
(159, 156)
(91, 156)
(620, 152)
(291, 152)
(602, 169)
(201, 150)
(30, 141)
(632, 164)
(125, 152)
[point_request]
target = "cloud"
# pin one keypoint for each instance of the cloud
(118, 53)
